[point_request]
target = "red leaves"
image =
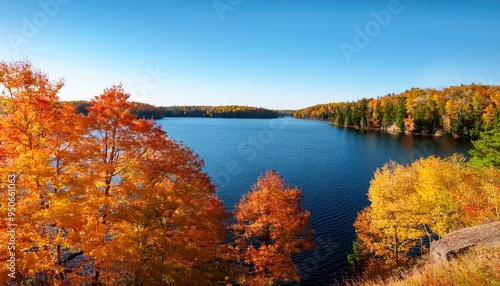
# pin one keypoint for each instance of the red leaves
(127, 204)
(270, 227)
(116, 191)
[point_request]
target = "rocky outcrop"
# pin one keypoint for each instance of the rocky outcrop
(459, 241)
(393, 129)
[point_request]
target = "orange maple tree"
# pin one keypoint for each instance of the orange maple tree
(35, 146)
(104, 198)
(270, 227)
(147, 200)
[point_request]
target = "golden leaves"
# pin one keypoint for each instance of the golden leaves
(430, 197)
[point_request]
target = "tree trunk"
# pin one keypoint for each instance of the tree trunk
(395, 237)
(267, 238)
(95, 279)
(59, 255)
(59, 275)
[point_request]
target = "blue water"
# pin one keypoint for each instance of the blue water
(333, 166)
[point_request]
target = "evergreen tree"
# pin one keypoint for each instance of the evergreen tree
(388, 117)
(378, 113)
(486, 150)
(401, 113)
(338, 118)
(357, 259)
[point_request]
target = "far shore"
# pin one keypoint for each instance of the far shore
(438, 134)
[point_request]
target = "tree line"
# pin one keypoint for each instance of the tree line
(463, 111)
(139, 109)
(148, 111)
(107, 198)
(412, 205)
(227, 111)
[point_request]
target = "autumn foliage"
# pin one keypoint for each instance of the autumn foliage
(271, 226)
(106, 198)
(463, 111)
(422, 202)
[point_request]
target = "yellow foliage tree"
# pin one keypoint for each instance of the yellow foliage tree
(392, 197)
(431, 197)
(436, 178)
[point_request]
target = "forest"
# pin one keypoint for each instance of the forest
(107, 198)
(148, 111)
(460, 111)
(227, 111)
(140, 110)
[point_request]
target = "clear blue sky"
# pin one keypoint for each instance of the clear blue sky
(273, 53)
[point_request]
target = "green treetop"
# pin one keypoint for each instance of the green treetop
(486, 150)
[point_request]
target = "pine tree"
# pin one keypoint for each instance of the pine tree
(400, 113)
(486, 150)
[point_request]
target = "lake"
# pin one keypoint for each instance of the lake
(333, 166)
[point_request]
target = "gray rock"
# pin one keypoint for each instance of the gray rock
(459, 241)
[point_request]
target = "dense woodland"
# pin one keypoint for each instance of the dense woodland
(148, 111)
(228, 111)
(140, 110)
(107, 198)
(463, 111)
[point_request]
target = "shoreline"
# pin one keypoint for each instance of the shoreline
(385, 130)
